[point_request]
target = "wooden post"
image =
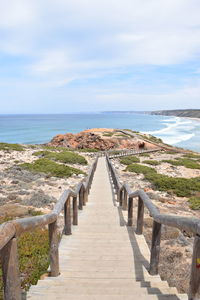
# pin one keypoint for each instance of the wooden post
(75, 211)
(121, 198)
(80, 204)
(155, 248)
(10, 268)
(124, 203)
(194, 291)
(130, 211)
(53, 249)
(67, 216)
(84, 196)
(140, 216)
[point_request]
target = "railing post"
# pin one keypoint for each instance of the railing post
(124, 203)
(194, 290)
(155, 248)
(85, 196)
(53, 249)
(75, 211)
(140, 216)
(67, 216)
(10, 267)
(80, 204)
(130, 211)
(121, 197)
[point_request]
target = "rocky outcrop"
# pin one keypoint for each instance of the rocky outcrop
(95, 140)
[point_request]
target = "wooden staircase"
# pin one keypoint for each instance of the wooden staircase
(103, 259)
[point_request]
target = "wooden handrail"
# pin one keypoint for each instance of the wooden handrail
(10, 230)
(125, 197)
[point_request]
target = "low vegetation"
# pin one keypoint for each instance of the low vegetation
(87, 150)
(191, 155)
(144, 154)
(33, 248)
(194, 202)
(44, 165)
(182, 187)
(64, 157)
(109, 134)
(14, 147)
(188, 163)
(151, 162)
(127, 160)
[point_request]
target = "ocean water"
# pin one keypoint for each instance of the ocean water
(36, 129)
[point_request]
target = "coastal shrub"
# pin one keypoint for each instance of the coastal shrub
(86, 150)
(51, 168)
(128, 160)
(170, 152)
(182, 187)
(33, 248)
(144, 154)
(191, 155)
(188, 163)
(115, 152)
(34, 213)
(14, 147)
(139, 169)
(64, 157)
(194, 202)
(109, 134)
(151, 162)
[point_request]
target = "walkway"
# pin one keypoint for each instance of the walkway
(101, 260)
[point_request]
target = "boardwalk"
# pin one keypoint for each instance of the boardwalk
(103, 259)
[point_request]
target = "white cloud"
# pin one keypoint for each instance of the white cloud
(64, 41)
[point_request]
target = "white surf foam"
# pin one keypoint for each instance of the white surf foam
(176, 131)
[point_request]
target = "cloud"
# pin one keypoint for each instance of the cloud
(130, 48)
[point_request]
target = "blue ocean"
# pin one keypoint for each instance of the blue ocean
(36, 129)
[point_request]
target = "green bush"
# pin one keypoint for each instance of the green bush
(51, 168)
(64, 157)
(128, 160)
(188, 163)
(182, 187)
(86, 150)
(194, 202)
(139, 169)
(151, 162)
(170, 152)
(109, 134)
(144, 154)
(14, 147)
(33, 249)
(191, 155)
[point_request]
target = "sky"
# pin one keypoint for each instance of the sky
(94, 55)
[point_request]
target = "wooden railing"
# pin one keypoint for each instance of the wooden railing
(125, 197)
(131, 152)
(9, 232)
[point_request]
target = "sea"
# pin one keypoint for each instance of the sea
(39, 129)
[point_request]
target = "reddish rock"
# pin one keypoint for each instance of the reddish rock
(96, 140)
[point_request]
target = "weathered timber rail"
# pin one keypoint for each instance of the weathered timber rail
(125, 197)
(132, 152)
(9, 232)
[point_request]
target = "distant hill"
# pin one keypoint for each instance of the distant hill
(191, 113)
